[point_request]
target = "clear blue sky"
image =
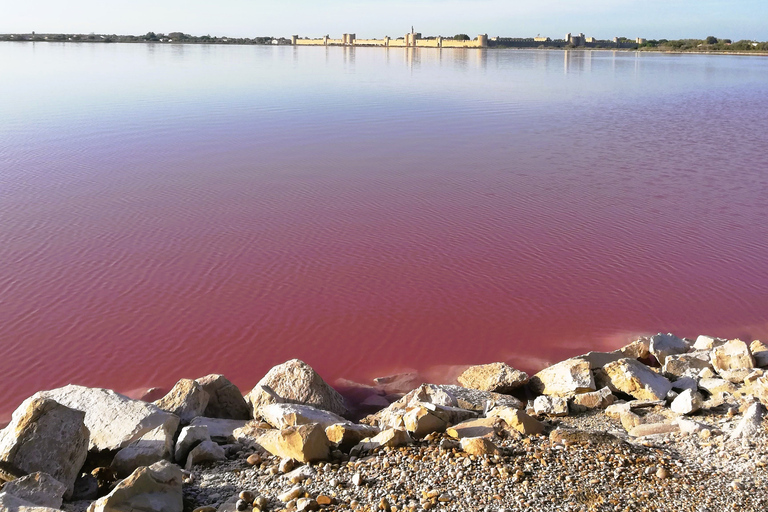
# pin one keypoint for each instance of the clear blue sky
(736, 19)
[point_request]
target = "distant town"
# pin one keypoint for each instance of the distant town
(417, 40)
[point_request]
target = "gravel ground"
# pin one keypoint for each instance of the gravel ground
(672, 472)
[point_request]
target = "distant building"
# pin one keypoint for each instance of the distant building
(640, 40)
(540, 39)
(575, 40)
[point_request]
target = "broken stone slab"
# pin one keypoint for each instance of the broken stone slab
(220, 430)
(450, 403)
(295, 382)
(600, 359)
(189, 437)
(566, 378)
(489, 427)
(114, 420)
(207, 451)
(187, 400)
(40, 489)
(634, 378)
(518, 420)
(760, 353)
(750, 424)
(677, 365)
(46, 436)
(479, 446)
(391, 438)
(651, 429)
(249, 434)
(154, 446)
(420, 421)
(663, 345)
(707, 343)
(288, 415)
(733, 360)
(494, 377)
(551, 405)
(11, 503)
(304, 443)
(157, 488)
(346, 435)
(225, 400)
(599, 399)
(715, 386)
(687, 402)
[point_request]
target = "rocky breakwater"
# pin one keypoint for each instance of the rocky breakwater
(662, 424)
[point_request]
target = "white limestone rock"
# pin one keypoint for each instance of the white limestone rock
(663, 345)
(733, 360)
(220, 430)
(295, 382)
(304, 443)
(677, 365)
(599, 399)
(156, 488)
(634, 378)
(566, 378)
(707, 343)
(494, 377)
(225, 400)
(687, 402)
(11, 503)
(187, 400)
(750, 424)
(38, 488)
(114, 420)
(288, 415)
(154, 446)
(551, 405)
(684, 383)
(189, 437)
(207, 451)
(46, 436)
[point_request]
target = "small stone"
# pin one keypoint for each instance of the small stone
(324, 500)
(292, 494)
(242, 505)
(254, 459)
(662, 473)
(247, 496)
(357, 479)
(260, 503)
(286, 465)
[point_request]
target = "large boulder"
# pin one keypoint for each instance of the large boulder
(220, 430)
(154, 446)
(638, 349)
(733, 360)
(566, 378)
(295, 382)
(663, 345)
(46, 436)
(495, 377)
(114, 420)
(420, 421)
(224, 399)
(707, 343)
(288, 415)
(634, 378)
(187, 400)
(599, 399)
(304, 443)
(11, 503)
(760, 353)
(551, 405)
(39, 488)
(156, 488)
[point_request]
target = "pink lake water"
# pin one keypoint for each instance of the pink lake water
(171, 211)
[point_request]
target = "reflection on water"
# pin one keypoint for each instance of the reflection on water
(170, 211)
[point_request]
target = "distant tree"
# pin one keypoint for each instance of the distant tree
(151, 36)
(711, 40)
(461, 37)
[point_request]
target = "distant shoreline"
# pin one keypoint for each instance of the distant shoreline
(3, 38)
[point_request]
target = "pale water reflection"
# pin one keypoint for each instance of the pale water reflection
(169, 211)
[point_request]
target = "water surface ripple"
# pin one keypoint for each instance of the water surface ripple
(171, 211)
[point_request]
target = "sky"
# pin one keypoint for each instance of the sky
(653, 19)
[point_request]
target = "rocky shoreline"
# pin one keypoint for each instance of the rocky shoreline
(663, 423)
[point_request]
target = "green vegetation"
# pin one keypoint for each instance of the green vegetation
(462, 37)
(710, 44)
(149, 37)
